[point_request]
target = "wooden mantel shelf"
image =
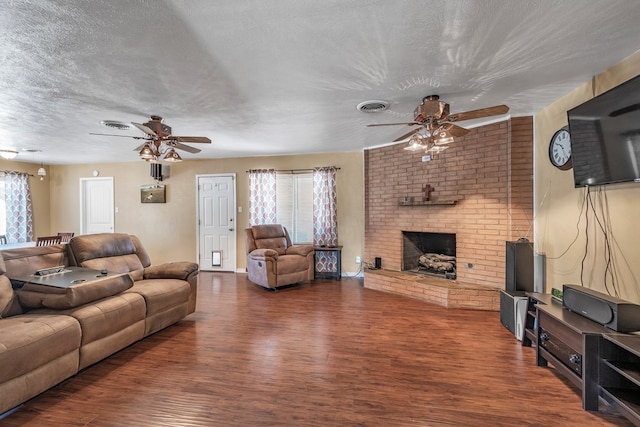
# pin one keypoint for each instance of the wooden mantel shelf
(428, 203)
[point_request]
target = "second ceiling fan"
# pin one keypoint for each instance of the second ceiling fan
(438, 123)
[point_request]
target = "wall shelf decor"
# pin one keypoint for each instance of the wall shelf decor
(404, 202)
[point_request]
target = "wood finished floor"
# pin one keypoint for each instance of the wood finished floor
(322, 354)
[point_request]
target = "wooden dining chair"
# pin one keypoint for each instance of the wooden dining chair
(48, 240)
(65, 237)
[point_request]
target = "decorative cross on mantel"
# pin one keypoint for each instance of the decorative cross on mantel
(427, 190)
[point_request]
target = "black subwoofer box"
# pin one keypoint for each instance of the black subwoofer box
(612, 312)
(519, 266)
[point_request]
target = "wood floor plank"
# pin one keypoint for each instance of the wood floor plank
(321, 354)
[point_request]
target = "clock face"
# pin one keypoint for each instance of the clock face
(560, 149)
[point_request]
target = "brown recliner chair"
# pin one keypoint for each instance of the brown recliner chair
(272, 261)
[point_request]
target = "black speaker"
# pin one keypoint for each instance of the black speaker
(156, 171)
(612, 312)
(513, 308)
(377, 263)
(519, 266)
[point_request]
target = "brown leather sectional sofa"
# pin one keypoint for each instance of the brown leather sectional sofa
(49, 334)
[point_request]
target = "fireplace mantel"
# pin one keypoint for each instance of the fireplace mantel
(428, 203)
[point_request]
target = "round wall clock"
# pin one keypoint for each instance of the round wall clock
(560, 149)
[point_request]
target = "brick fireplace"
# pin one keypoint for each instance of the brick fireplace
(483, 194)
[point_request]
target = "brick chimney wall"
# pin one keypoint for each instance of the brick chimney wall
(488, 172)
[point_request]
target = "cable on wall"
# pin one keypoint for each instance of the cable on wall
(599, 206)
(582, 209)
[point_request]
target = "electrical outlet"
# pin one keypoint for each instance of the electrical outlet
(357, 260)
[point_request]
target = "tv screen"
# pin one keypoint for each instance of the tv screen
(605, 137)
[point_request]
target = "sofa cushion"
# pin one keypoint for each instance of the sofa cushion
(118, 264)
(114, 252)
(291, 264)
(33, 295)
(108, 325)
(106, 316)
(270, 236)
(9, 305)
(141, 251)
(20, 262)
(6, 295)
(31, 340)
(162, 294)
(171, 270)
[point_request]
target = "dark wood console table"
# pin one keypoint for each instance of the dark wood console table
(570, 342)
(599, 361)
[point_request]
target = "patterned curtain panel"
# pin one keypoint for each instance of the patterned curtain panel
(325, 216)
(18, 206)
(262, 196)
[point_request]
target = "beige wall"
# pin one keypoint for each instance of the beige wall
(169, 230)
(560, 225)
(39, 194)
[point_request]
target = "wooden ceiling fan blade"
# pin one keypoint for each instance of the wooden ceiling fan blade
(119, 136)
(144, 129)
(192, 139)
(407, 135)
(478, 114)
(179, 146)
(394, 124)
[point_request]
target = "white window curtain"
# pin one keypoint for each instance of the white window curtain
(325, 216)
(19, 213)
(262, 196)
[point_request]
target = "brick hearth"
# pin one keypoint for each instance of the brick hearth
(443, 292)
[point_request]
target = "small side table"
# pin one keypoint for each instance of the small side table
(336, 275)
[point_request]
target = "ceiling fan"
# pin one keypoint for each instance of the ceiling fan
(437, 126)
(160, 143)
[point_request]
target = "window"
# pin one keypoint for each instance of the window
(294, 205)
(17, 215)
(3, 209)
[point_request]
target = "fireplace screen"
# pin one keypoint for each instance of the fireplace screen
(429, 253)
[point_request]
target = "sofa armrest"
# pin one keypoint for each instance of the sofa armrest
(302, 250)
(262, 254)
(171, 270)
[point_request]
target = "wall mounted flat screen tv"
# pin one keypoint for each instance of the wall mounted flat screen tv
(605, 137)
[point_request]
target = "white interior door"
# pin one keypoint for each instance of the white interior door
(96, 205)
(217, 222)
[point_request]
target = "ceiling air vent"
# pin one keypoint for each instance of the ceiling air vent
(116, 125)
(374, 106)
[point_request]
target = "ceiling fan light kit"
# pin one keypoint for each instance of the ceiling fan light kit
(433, 116)
(8, 154)
(172, 156)
(147, 152)
(42, 172)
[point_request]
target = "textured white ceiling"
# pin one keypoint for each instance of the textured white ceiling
(284, 76)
